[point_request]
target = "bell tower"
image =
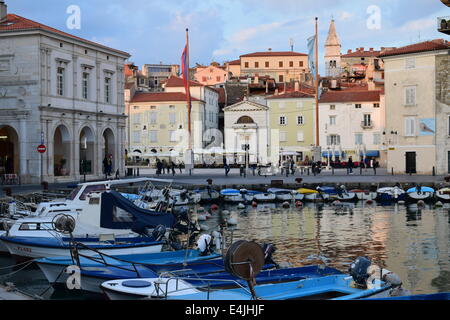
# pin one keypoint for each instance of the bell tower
(332, 52)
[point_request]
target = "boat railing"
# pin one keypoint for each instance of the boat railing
(161, 293)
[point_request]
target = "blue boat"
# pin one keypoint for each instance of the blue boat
(338, 193)
(391, 194)
(432, 296)
(232, 195)
(333, 287)
(419, 193)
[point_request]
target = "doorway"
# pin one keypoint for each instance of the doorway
(410, 162)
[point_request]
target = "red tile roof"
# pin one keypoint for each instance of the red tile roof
(437, 44)
(160, 97)
(14, 23)
(235, 62)
(350, 96)
(274, 54)
(174, 81)
(361, 53)
(293, 94)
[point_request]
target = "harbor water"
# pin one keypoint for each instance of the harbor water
(412, 241)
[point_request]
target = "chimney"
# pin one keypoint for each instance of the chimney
(3, 10)
(349, 51)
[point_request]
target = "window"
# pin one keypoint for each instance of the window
(410, 96)
(137, 118)
(256, 64)
(280, 64)
(282, 136)
(358, 106)
(333, 139)
(91, 189)
(283, 120)
(332, 120)
(410, 63)
(85, 85)
(153, 135)
(300, 63)
(410, 126)
(300, 120)
(107, 90)
(218, 78)
(267, 64)
(136, 136)
(152, 119)
(172, 136)
(280, 78)
(60, 79)
(376, 139)
(300, 137)
(246, 65)
(358, 138)
(291, 64)
(332, 107)
(367, 120)
(172, 118)
(376, 105)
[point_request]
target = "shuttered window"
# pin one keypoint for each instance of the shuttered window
(410, 96)
(410, 126)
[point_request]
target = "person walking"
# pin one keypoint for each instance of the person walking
(105, 167)
(350, 165)
(164, 167)
(226, 166)
(180, 166)
(292, 167)
(159, 167)
(313, 168)
(375, 166)
(172, 165)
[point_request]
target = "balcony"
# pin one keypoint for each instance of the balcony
(366, 124)
(443, 24)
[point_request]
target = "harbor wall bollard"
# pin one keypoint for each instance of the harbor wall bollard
(392, 171)
(434, 171)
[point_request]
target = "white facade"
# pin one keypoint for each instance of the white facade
(351, 129)
(69, 94)
(247, 122)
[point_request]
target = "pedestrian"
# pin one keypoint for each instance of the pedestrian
(313, 168)
(319, 167)
(105, 167)
(159, 167)
(350, 165)
(292, 167)
(254, 166)
(164, 167)
(173, 168)
(375, 166)
(242, 170)
(109, 165)
(180, 166)
(226, 166)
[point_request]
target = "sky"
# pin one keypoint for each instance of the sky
(153, 31)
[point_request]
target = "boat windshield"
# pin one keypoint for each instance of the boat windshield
(93, 188)
(74, 193)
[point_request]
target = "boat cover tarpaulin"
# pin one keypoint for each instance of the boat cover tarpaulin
(118, 212)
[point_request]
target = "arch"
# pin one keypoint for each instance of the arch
(245, 119)
(9, 150)
(61, 151)
(87, 150)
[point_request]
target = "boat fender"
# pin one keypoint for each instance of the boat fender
(358, 271)
(217, 238)
(369, 201)
(241, 206)
(254, 204)
(214, 207)
(204, 244)
(225, 212)
(298, 203)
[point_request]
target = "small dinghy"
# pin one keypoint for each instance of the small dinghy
(443, 194)
(232, 195)
(286, 194)
(338, 193)
(419, 193)
(207, 195)
(258, 196)
(391, 194)
(364, 194)
(313, 195)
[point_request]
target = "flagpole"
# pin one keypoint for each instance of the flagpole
(188, 93)
(317, 86)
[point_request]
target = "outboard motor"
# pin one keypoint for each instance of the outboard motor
(204, 244)
(269, 249)
(159, 232)
(358, 271)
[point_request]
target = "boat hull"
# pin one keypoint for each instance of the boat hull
(416, 196)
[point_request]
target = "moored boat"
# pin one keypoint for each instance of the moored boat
(443, 194)
(259, 196)
(286, 194)
(419, 193)
(232, 195)
(313, 195)
(391, 194)
(364, 194)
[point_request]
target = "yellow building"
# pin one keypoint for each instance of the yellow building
(158, 124)
(283, 66)
(292, 123)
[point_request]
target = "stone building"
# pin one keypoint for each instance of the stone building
(64, 92)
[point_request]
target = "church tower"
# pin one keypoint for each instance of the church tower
(332, 52)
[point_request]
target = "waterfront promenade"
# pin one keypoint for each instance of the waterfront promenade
(198, 177)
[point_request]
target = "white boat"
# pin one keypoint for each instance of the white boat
(391, 194)
(420, 193)
(207, 194)
(258, 196)
(153, 288)
(176, 197)
(286, 194)
(364, 194)
(313, 195)
(443, 194)
(232, 195)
